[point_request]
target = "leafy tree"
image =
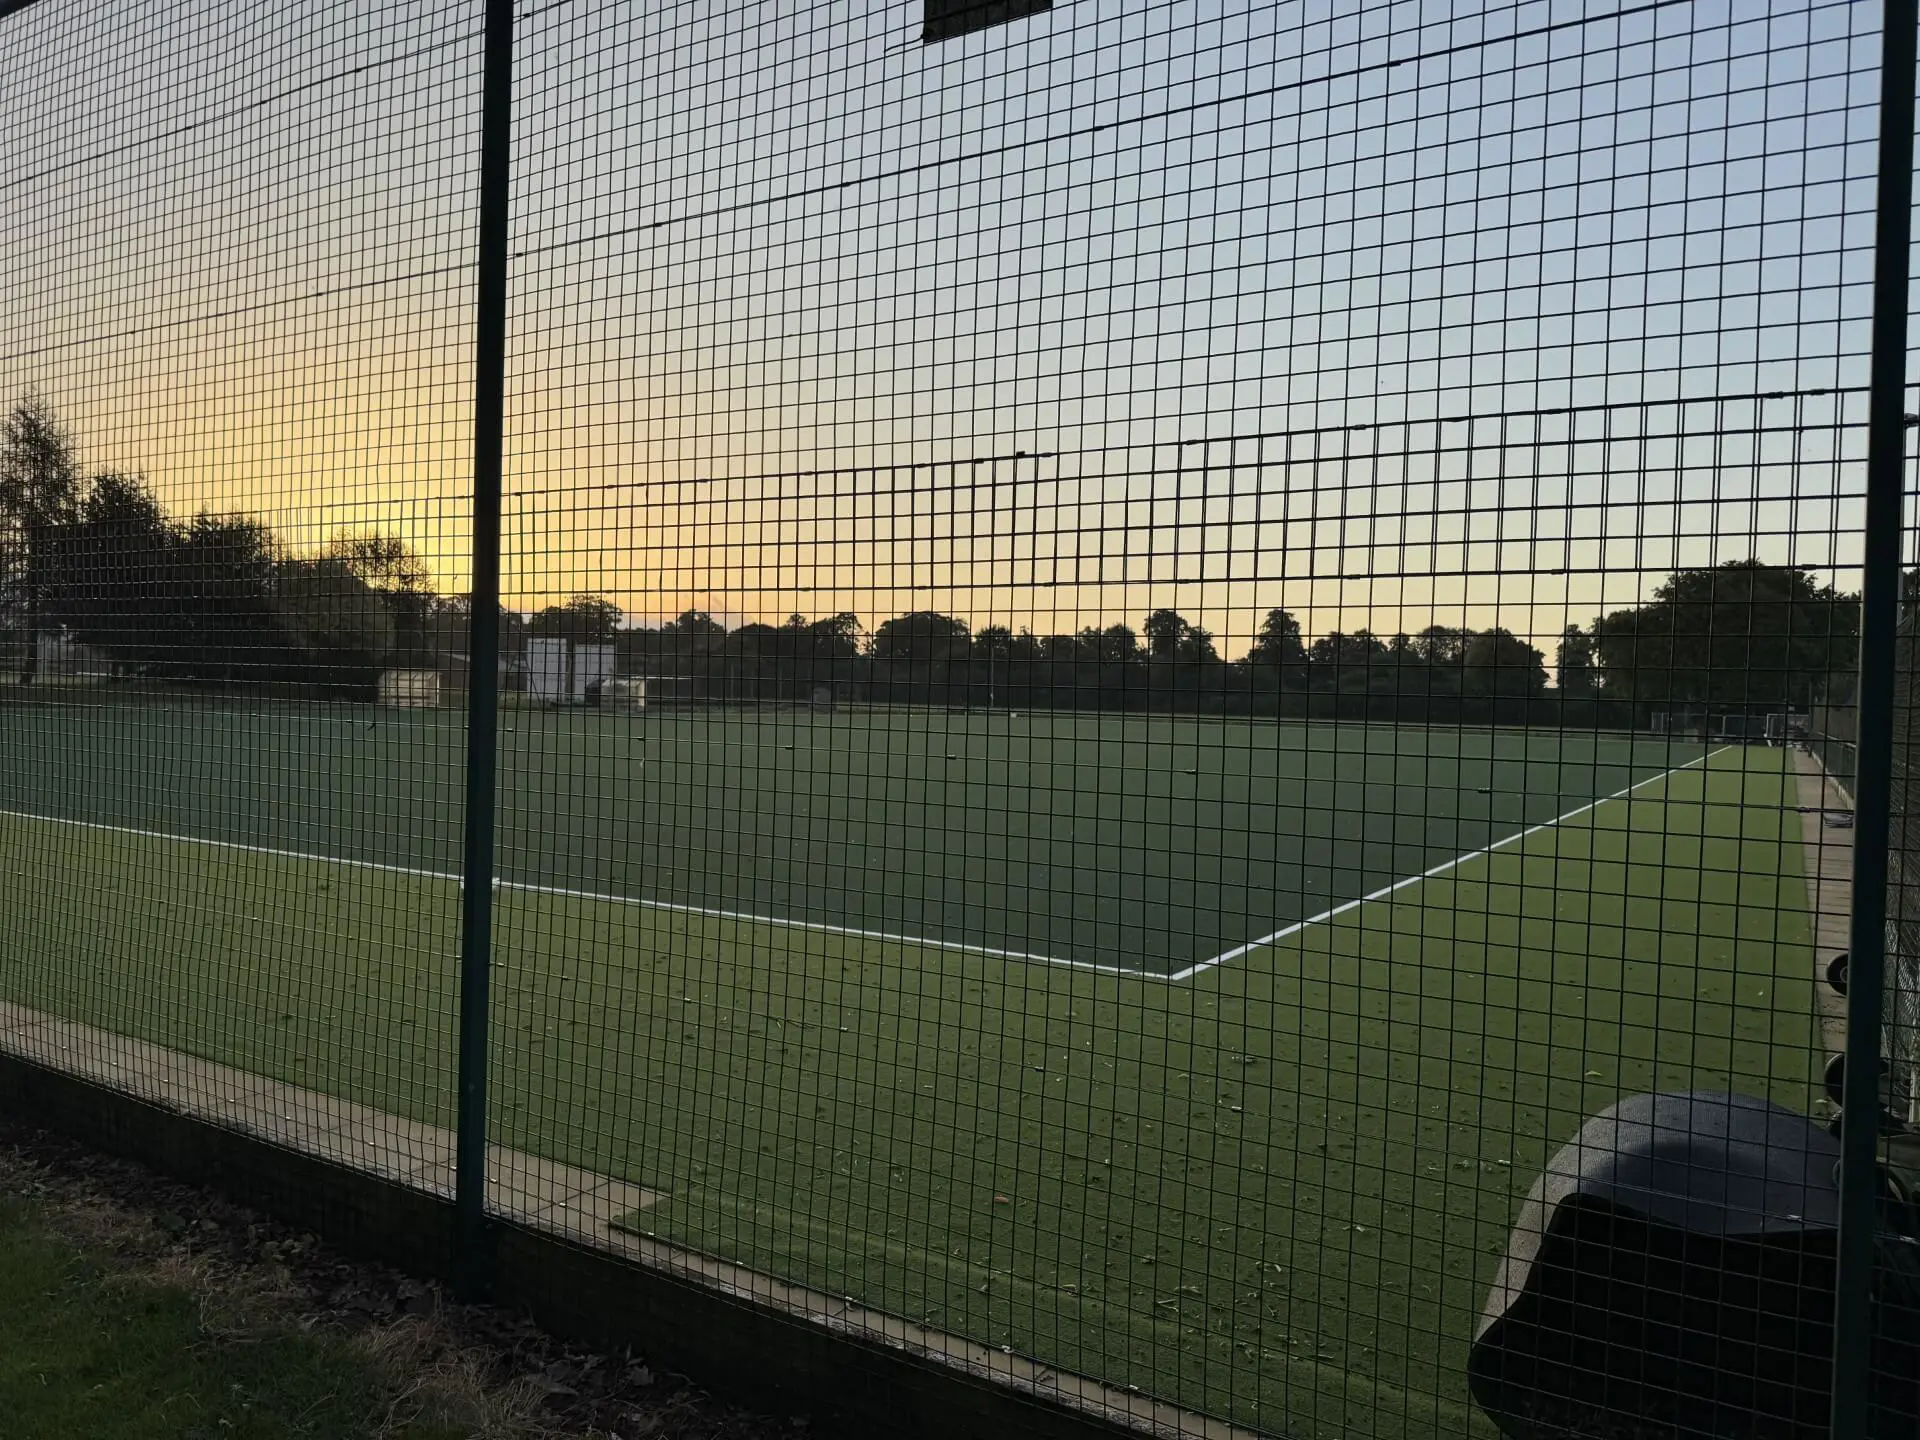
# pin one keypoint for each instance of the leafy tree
(123, 503)
(39, 494)
(229, 619)
(449, 630)
(923, 635)
(214, 599)
(1117, 644)
(1500, 663)
(113, 572)
(1279, 642)
(585, 620)
(1742, 633)
(683, 646)
(696, 624)
(397, 574)
(1197, 645)
(756, 638)
(1442, 644)
(334, 619)
(514, 628)
(1352, 664)
(379, 560)
(1026, 645)
(993, 642)
(832, 637)
(1170, 637)
(835, 637)
(1574, 661)
(1338, 649)
(1166, 631)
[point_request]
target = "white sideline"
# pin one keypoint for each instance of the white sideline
(740, 915)
(821, 927)
(1385, 890)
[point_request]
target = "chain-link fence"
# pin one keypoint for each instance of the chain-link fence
(1143, 649)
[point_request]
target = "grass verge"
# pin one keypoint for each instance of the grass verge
(138, 1306)
(97, 1343)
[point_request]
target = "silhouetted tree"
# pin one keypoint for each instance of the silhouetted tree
(835, 637)
(1166, 632)
(335, 621)
(758, 639)
(1739, 633)
(993, 642)
(1279, 643)
(39, 494)
(1116, 644)
(1574, 662)
(1442, 644)
(229, 619)
(1338, 648)
(585, 620)
(397, 574)
(696, 624)
(113, 573)
(1026, 646)
(448, 631)
(1279, 651)
(1499, 663)
(923, 635)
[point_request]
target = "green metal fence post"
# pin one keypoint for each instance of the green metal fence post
(1879, 615)
(483, 697)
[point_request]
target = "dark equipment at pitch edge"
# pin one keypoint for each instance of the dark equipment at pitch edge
(1672, 1274)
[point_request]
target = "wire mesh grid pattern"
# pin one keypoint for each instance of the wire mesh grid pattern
(1901, 1002)
(1144, 648)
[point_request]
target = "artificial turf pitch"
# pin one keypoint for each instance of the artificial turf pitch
(1274, 1188)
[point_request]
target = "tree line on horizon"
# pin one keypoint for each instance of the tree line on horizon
(220, 599)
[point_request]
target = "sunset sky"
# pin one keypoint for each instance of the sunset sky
(792, 292)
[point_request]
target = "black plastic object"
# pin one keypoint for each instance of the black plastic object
(1837, 973)
(1671, 1274)
(1834, 1080)
(946, 19)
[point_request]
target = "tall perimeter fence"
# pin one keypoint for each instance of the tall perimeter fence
(1019, 701)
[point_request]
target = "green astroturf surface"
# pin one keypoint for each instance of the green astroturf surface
(1143, 843)
(1275, 1190)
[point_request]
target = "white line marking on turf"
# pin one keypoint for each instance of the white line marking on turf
(820, 927)
(744, 916)
(1298, 925)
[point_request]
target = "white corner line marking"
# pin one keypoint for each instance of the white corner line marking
(1297, 926)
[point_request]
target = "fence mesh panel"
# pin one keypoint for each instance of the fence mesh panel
(1901, 1026)
(235, 360)
(1145, 649)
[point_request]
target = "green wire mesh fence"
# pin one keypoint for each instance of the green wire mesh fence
(1144, 649)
